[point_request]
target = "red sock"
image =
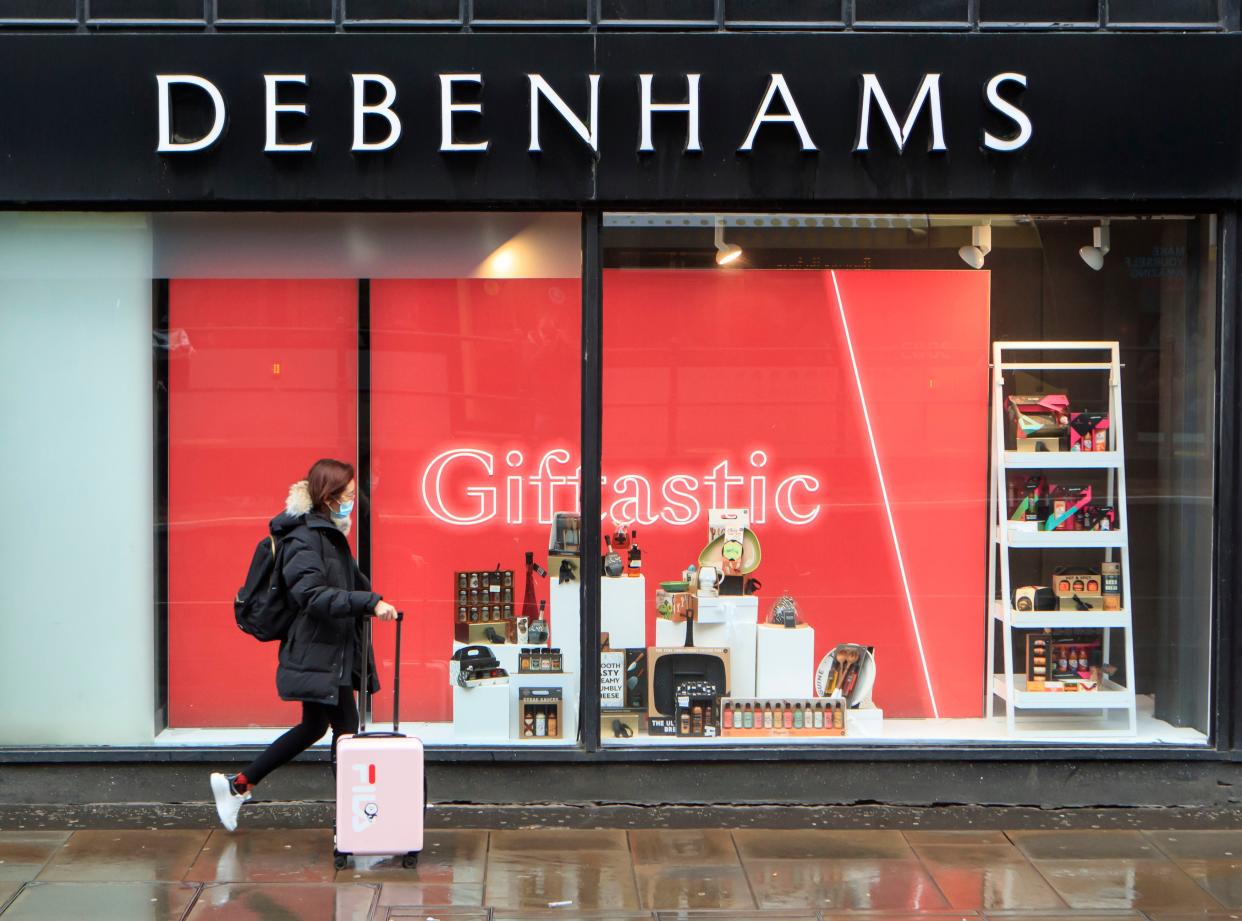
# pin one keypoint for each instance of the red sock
(240, 783)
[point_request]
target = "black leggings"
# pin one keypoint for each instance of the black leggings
(316, 718)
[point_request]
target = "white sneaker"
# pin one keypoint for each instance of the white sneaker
(228, 800)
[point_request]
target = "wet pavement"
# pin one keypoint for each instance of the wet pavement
(613, 875)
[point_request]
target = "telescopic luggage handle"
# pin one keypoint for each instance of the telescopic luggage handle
(364, 693)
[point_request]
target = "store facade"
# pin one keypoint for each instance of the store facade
(905, 363)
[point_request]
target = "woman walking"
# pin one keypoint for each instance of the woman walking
(319, 657)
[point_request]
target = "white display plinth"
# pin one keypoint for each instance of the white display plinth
(865, 724)
(623, 606)
(668, 633)
(785, 665)
(569, 701)
(742, 658)
(742, 607)
(565, 620)
(712, 611)
(482, 712)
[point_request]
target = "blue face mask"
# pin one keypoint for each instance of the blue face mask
(343, 512)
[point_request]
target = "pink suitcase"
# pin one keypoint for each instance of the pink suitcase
(381, 792)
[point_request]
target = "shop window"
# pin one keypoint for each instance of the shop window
(441, 356)
(806, 467)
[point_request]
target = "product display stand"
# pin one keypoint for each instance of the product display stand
(1006, 536)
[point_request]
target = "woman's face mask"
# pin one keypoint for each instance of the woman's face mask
(343, 510)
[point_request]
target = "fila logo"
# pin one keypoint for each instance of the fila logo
(364, 807)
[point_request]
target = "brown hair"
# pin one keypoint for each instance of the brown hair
(327, 480)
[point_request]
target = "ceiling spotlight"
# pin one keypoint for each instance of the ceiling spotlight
(980, 245)
(725, 252)
(1094, 255)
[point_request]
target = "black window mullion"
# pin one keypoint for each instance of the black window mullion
(1227, 639)
(591, 449)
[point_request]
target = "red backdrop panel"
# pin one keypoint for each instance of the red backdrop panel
(490, 366)
(262, 381)
(768, 374)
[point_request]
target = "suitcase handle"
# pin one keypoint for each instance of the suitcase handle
(364, 693)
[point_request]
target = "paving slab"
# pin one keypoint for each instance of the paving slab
(283, 902)
(24, 853)
(843, 884)
(129, 855)
(77, 901)
(285, 855)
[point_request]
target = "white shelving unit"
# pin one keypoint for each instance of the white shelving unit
(1090, 707)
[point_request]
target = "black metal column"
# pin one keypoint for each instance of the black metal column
(1228, 639)
(364, 425)
(592, 448)
(159, 466)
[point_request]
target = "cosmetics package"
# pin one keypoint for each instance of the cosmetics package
(698, 708)
(781, 717)
(540, 713)
(1088, 432)
(1078, 588)
(1067, 502)
(1028, 499)
(1092, 517)
(1064, 661)
(1110, 574)
(1039, 416)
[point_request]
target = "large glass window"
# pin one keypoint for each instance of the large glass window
(840, 498)
(437, 353)
(888, 479)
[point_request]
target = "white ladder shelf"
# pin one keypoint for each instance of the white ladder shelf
(1005, 685)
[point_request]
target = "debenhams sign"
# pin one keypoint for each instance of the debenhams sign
(377, 126)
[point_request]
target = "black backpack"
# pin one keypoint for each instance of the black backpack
(262, 607)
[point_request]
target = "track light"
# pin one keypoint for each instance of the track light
(725, 252)
(980, 245)
(1094, 255)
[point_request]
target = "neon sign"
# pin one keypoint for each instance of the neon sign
(471, 486)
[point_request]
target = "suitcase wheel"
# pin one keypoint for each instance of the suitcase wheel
(410, 860)
(339, 861)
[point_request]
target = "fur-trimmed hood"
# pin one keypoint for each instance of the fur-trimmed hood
(298, 505)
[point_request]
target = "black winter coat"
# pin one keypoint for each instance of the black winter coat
(331, 595)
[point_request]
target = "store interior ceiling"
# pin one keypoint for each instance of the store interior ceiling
(758, 233)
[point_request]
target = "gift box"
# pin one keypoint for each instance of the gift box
(1067, 502)
(1043, 416)
(1088, 432)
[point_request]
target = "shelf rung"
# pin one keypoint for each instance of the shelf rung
(1027, 345)
(1062, 620)
(1110, 696)
(1056, 366)
(1064, 540)
(1063, 460)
